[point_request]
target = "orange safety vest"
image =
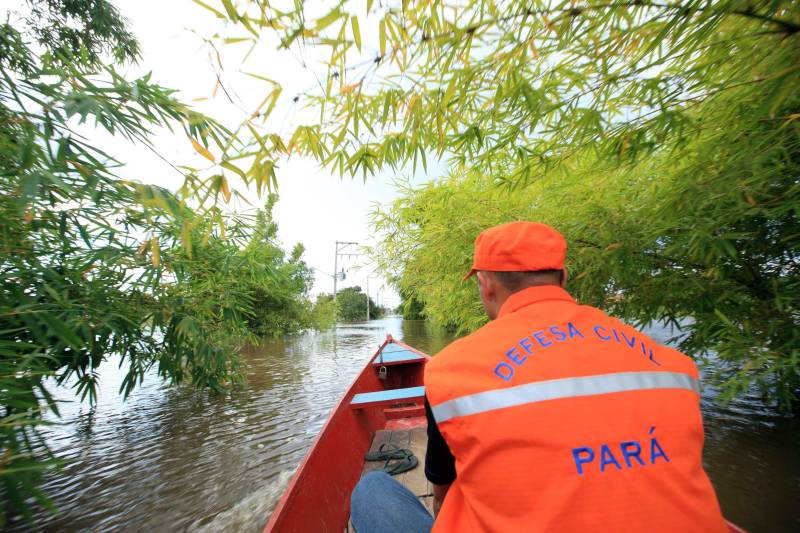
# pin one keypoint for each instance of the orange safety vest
(562, 418)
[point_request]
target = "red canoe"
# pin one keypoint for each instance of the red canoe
(384, 404)
(387, 395)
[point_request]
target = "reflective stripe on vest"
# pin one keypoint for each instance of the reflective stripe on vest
(555, 389)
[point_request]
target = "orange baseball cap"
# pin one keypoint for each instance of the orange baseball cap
(519, 247)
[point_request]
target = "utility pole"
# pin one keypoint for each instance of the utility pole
(376, 303)
(342, 249)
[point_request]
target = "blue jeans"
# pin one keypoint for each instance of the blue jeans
(379, 504)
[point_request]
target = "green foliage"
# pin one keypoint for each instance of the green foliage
(280, 285)
(704, 237)
(351, 305)
(93, 265)
(84, 29)
(427, 245)
(324, 312)
(517, 87)
(410, 307)
(662, 138)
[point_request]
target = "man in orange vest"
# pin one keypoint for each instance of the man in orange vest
(553, 416)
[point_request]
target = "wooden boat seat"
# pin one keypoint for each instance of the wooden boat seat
(385, 397)
(393, 354)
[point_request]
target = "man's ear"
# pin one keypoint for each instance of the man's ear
(486, 284)
(563, 278)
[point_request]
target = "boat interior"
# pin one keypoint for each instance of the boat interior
(385, 404)
(397, 367)
(414, 438)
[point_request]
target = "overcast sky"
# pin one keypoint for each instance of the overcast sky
(315, 207)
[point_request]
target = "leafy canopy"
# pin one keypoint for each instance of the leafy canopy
(511, 87)
(662, 137)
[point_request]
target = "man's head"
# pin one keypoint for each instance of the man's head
(515, 256)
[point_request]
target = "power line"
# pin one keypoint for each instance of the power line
(342, 248)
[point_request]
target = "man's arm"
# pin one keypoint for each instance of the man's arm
(440, 465)
(439, 492)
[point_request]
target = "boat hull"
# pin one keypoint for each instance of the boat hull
(318, 495)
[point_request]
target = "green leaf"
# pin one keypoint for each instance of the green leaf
(60, 329)
(234, 169)
(382, 37)
(260, 77)
(202, 4)
(230, 9)
(332, 16)
(356, 32)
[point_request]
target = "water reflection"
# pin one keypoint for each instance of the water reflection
(424, 336)
(179, 459)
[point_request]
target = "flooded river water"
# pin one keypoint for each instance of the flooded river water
(174, 459)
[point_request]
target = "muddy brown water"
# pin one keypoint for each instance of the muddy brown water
(175, 459)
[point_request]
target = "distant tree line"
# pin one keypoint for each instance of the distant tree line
(351, 305)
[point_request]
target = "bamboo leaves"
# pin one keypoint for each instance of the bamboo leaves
(206, 6)
(202, 150)
(98, 267)
(356, 32)
(270, 100)
(426, 41)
